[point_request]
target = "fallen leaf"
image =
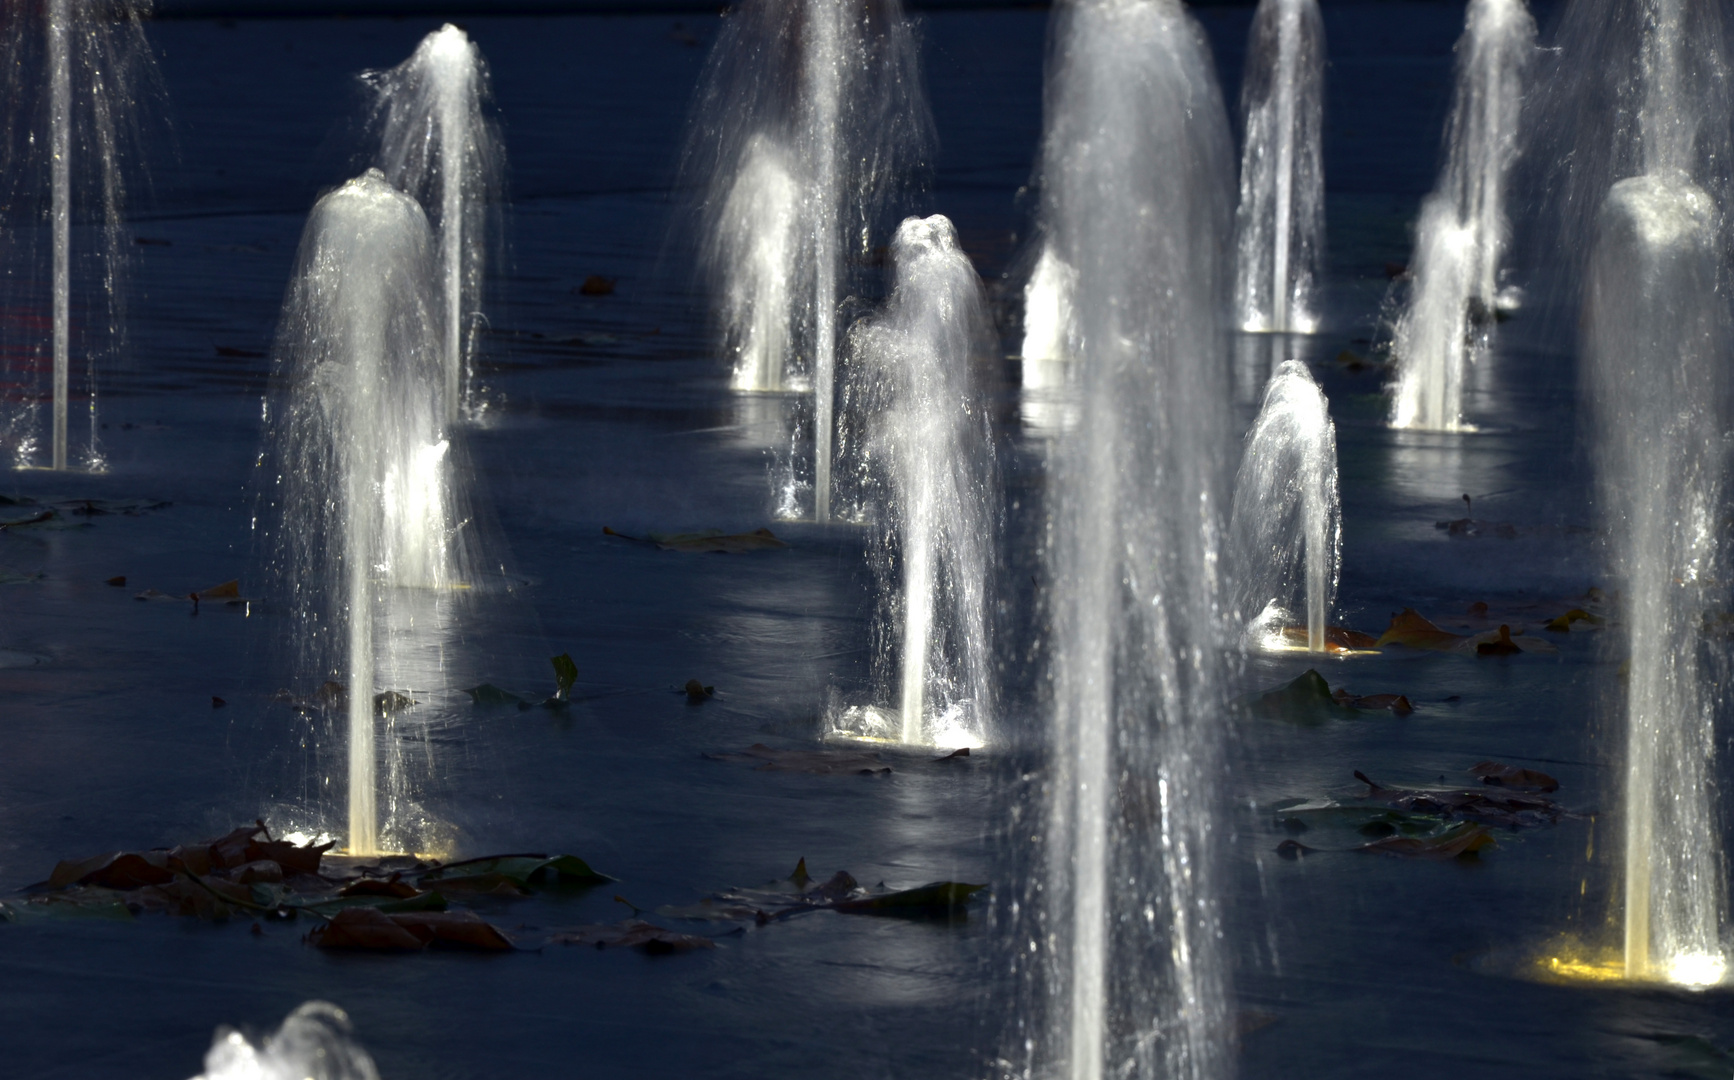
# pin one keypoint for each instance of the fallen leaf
(632, 933)
(1500, 646)
(366, 928)
(118, 582)
(697, 693)
(816, 762)
(1292, 850)
(115, 870)
(1510, 776)
(454, 929)
(519, 870)
(1562, 623)
(1462, 840)
(596, 285)
(1337, 638)
(938, 898)
(1397, 703)
(1507, 808)
(1409, 629)
(565, 674)
(717, 542)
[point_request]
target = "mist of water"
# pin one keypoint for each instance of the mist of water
(366, 508)
(74, 74)
(926, 468)
(810, 121)
(437, 142)
(314, 1043)
(1280, 227)
(1286, 532)
(1461, 238)
(1119, 938)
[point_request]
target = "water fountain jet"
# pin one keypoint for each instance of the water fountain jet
(1280, 226)
(933, 546)
(363, 481)
(1119, 943)
(72, 79)
(1285, 533)
(810, 119)
(437, 143)
(1463, 231)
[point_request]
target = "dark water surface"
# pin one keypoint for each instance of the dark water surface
(615, 411)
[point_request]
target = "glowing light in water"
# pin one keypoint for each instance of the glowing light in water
(926, 469)
(1280, 226)
(1463, 231)
(437, 143)
(1119, 943)
(1286, 529)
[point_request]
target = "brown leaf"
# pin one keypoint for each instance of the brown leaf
(633, 933)
(118, 870)
(378, 887)
(734, 544)
(293, 859)
(1409, 629)
(1501, 646)
(454, 929)
(1337, 638)
(366, 928)
(1460, 841)
(1510, 776)
(596, 285)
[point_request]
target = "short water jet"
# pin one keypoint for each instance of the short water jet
(1119, 942)
(1280, 226)
(810, 120)
(1462, 234)
(927, 465)
(437, 142)
(313, 1043)
(368, 513)
(1285, 535)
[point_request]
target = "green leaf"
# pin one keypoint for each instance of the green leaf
(565, 674)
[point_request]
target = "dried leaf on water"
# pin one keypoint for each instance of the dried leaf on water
(520, 871)
(1463, 840)
(815, 762)
(1409, 629)
(937, 899)
(632, 933)
(1337, 638)
(698, 693)
(1511, 776)
(1502, 807)
(1561, 624)
(365, 928)
(1499, 646)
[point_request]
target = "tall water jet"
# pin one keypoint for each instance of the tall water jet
(437, 142)
(356, 435)
(1656, 346)
(71, 78)
(1286, 531)
(810, 119)
(926, 467)
(1656, 335)
(1462, 234)
(1119, 942)
(1280, 226)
